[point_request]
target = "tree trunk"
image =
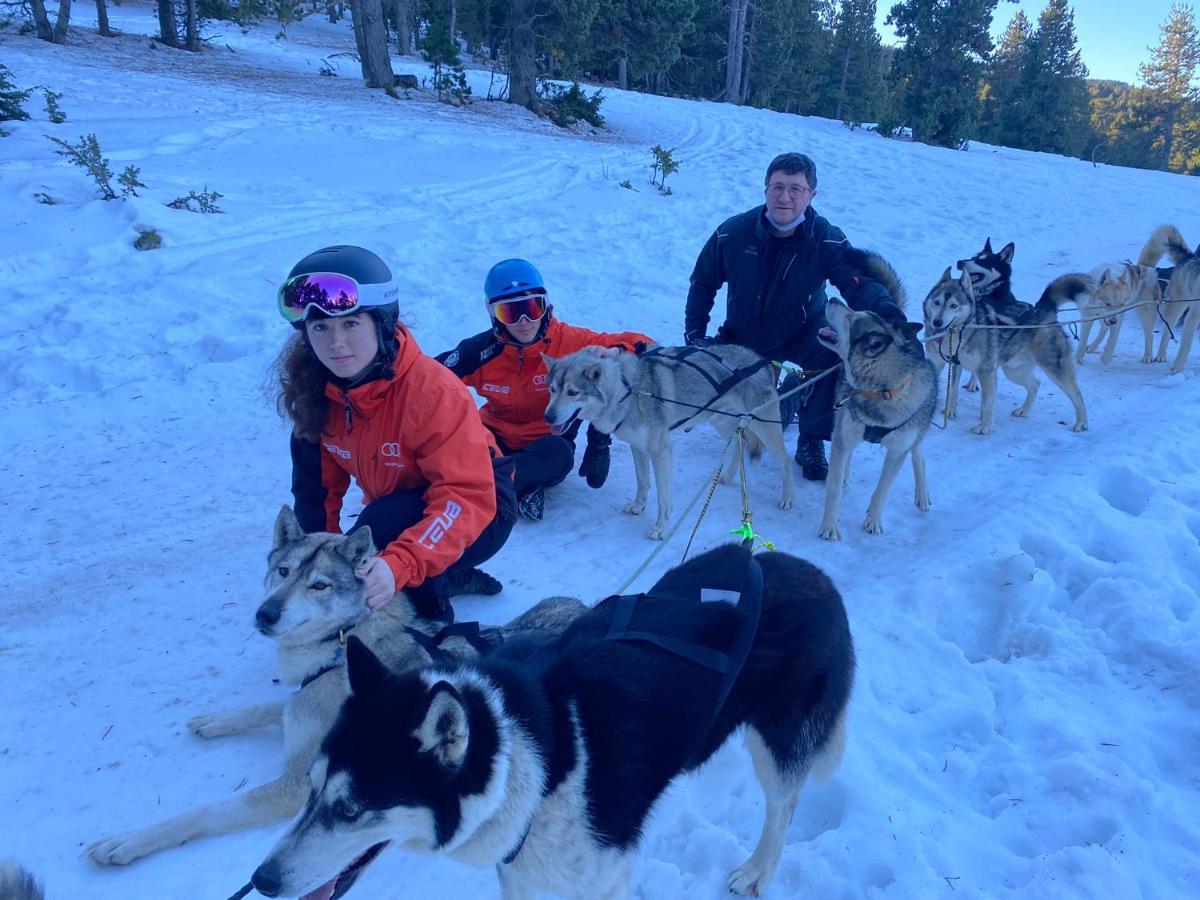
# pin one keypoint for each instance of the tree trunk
(168, 28)
(102, 18)
(737, 43)
(371, 36)
(748, 54)
(64, 17)
(191, 28)
(41, 21)
(522, 69)
(623, 70)
(453, 23)
(841, 94)
(402, 22)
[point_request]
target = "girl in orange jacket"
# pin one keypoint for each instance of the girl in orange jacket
(504, 365)
(366, 404)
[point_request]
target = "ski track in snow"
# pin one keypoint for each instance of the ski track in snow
(1024, 721)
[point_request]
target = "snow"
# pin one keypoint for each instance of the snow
(1024, 722)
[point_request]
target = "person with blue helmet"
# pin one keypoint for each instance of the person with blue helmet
(504, 365)
(366, 405)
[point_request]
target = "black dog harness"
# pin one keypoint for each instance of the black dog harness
(875, 434)
(721, 387)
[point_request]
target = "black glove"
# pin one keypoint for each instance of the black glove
(697, 340)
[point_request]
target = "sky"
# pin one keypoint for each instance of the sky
(1114, 36)
(1027, 700)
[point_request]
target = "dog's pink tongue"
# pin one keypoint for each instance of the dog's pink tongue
(324, 892)
(558, 429)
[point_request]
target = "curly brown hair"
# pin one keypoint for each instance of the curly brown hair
(300, 388)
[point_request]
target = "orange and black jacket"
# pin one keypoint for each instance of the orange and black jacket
(418, 429)
(512, 379)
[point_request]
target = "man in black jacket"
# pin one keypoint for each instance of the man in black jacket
(775, 259)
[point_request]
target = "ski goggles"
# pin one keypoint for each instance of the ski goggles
(510, 312)
(332, 294)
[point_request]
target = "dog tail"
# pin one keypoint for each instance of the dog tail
(876, 267)
(16, 883)
(1065, 289)
(1164, 239)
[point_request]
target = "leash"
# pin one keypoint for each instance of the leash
(1056, 323)
(242, 891)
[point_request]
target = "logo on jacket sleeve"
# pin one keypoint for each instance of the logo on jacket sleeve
(337, 451)
(440, 525)
(452, 359)
(496, 388)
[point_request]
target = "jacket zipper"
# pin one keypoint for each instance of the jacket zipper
(349, 415)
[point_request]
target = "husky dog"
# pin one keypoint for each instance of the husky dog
(1181, 298)
(1119, 286)
(314, 598)
(642, 398)
(16, 883)
(991, 278)
(547, 766)
(886, 395)
(972, 333)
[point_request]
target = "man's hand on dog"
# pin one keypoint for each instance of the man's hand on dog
(381, 583)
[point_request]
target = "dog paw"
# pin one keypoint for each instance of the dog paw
(971, 387)
(872, 525)
(634, 508)
(1148, 358)
(1020, 412)
(657, 533)
(981, 429)
(830, 532)
(923, 503)
(1079, 426)
(749, 880)
(118, 850)
(785, 503)
(210, 725)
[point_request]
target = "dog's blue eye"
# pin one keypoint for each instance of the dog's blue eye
(319, 585)
(344, 809)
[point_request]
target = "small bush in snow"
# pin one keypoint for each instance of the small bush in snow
(86, 154)
(203, 202)
(662, 165)
(11, 99)
(566, 106)
(54, 112)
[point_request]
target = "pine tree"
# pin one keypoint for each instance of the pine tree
(1169, 78)
(937, 71)
(854, 82)
(1003, 106)
(1057, 91)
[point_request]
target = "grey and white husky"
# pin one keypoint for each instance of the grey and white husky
(314, 600)
(1181, 299)
(642, 398)
(959, 329)
(886, 394)
(547, 766)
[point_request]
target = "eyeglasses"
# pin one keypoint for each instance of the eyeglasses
(510, 312)
(795, 191)
(332, 294)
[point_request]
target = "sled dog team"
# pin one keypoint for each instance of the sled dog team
(540, 747)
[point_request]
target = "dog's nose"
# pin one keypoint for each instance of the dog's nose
(266, 879)
(268, 614)
(937, 323)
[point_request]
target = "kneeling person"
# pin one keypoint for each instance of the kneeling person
(504, 364)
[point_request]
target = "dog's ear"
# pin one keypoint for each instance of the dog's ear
(358, 547)
(593, 373)
(364, 669)
(946, 275)
(987, 244)
(910, 329)
(548, 360)
(1105, 277)
(445, 732)
(287, 527)
(1006, 253)
(964, 282)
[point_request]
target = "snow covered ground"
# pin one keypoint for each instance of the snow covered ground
(1025, 717)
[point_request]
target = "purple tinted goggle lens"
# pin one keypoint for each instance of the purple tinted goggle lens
(332, 294)
(510, 312)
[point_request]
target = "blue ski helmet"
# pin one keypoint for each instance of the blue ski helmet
(366, 268)
(512, 278)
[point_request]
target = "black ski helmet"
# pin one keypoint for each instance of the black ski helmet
(364, 267)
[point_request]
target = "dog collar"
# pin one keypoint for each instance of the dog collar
(888, 393)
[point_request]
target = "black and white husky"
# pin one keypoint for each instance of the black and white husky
(546, 763)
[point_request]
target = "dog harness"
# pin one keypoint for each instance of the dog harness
(874, 434)
(720, 387)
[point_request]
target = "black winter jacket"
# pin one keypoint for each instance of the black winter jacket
(775, 283)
